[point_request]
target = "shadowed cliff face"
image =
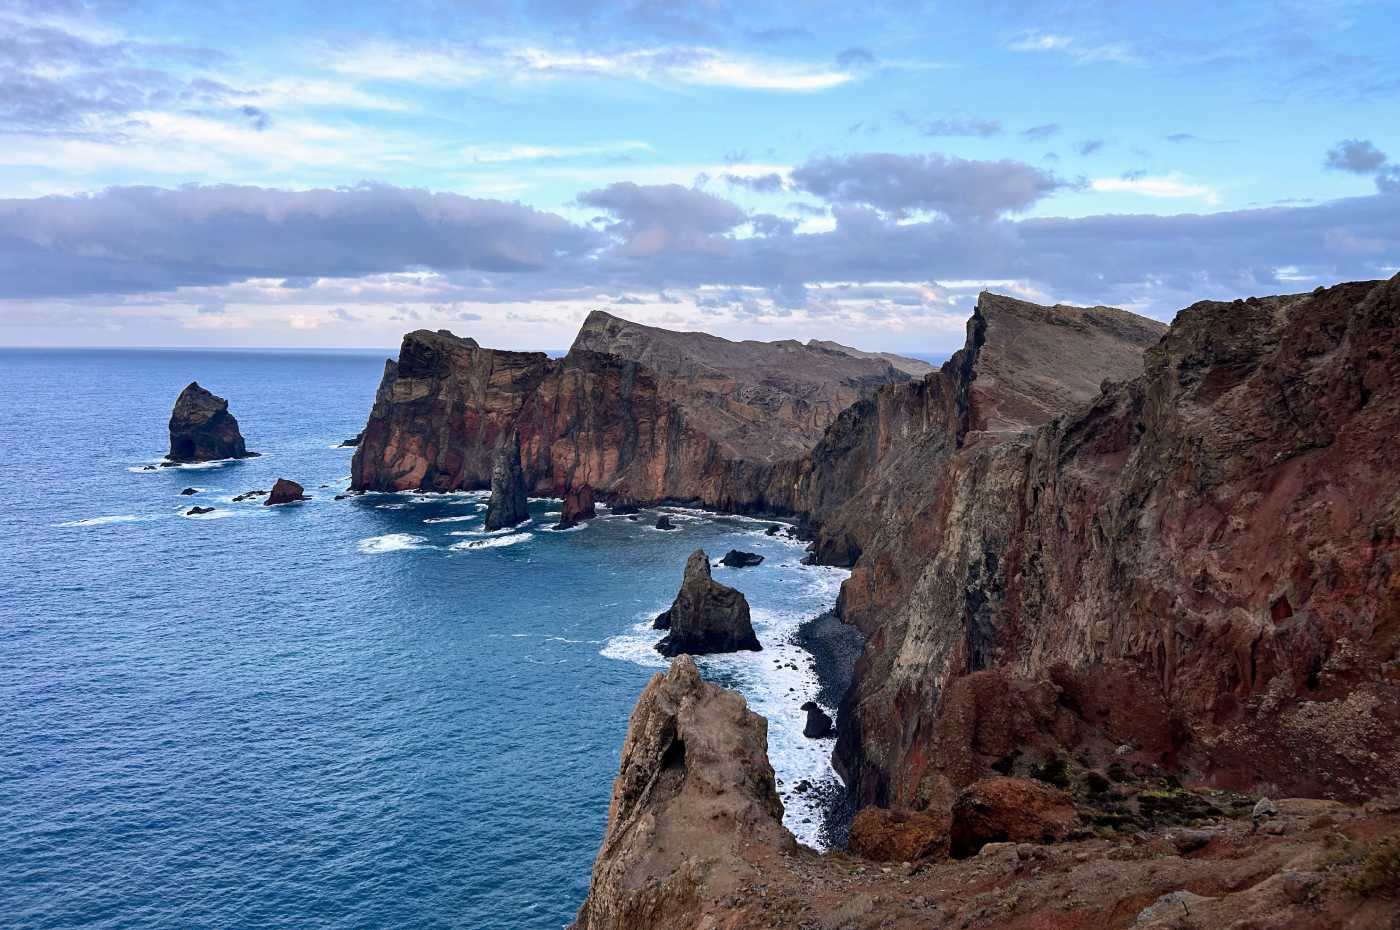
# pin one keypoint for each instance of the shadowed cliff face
(1199, 564)
(630, 410)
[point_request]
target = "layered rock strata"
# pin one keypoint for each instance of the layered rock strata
(706, 616)
(633, 411)
(202, 429)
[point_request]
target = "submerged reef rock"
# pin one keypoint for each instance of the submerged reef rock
(285, 491)
(706, 616)
(507, 505)
(202, 429)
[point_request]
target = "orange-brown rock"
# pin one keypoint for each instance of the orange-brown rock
(1009, 810)
(694, 789)
(661, 415)
(899, 835)
(1198, 564)
(285, 491)
(578, 506)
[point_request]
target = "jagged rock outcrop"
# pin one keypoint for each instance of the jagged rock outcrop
(819, 724)
(507, 505)
(885, 835)
(657, 414)
(285, 491)
(693, 789)
(1198, 564)
(578, 506)
(202, 429)
(706, 616)
(1009, 810)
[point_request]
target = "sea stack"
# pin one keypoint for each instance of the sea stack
(578, 505)
(285, 491)
(508, 505)
(202, 429)
(706, 616)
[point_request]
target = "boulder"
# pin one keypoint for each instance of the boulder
(188, 491)
(285, 491)
(818, 724)
(663, 522)
(773, 530)
(736, 559)
(578, 505)
(508, 505)
(899, 835)
(248, 495)
(202, 429)
(1001, 810)
(197, 511)
(706, 616)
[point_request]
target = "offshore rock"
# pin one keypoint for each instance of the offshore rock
(578, 505)
(507, 505)
(706, 616)
(694, 791)
(734, 558)
(630, 409)
(202, 429)
(818, 725)
(285, 491)
(663, 522)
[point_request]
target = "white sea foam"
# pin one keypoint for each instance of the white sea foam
(491, 542)
(775, 682)
(216, 515)
(470, 516)
(391, 506)
(105, 521)
(500, 532)
(391, 542)
(583, 525)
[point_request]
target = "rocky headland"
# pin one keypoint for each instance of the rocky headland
(202, 429)
(1115, 583)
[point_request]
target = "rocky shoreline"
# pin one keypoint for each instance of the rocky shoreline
(834, 647)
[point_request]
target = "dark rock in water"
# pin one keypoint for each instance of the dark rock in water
(507, 505)
(623, 503)
(285, 491)
(818, 723)
(188, 491)
(736, 559)
(663, 522)
(341, 497)
(773, 530)
(247, 496)
(634, 518)
(578, 505)
(148, 468)
(202, 429)
(662, 621)
(707, 616)
(352, 441)
(196, 511)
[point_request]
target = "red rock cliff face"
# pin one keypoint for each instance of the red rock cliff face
(630, 410)
(1200, 564)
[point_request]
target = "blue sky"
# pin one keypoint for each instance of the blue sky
(334, 174)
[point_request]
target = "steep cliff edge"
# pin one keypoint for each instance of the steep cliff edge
(631, 411)
(1199, 566)
(694, 789)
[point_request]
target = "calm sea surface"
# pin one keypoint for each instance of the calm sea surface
(362, 713)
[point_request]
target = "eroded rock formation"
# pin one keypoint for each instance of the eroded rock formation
(507, 505)
(1198, 565)
(578, 506)
(202, 429)
(694, 787)
(706, 616)
(644, 412)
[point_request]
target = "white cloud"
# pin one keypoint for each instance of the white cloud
(1163, 187)
(1082, 53)
(484, 154)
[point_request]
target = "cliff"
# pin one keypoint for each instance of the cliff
(1198, 565)
(630, 411)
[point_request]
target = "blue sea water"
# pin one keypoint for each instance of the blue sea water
(358, 713)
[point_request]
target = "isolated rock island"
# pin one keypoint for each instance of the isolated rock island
(202, 429)
(706, 616)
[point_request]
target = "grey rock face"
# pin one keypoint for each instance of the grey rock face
(706, 616)
(202, 429)
(507, 506)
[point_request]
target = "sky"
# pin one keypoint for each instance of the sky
(337, 173)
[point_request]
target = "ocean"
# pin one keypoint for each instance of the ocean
(357, 713)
